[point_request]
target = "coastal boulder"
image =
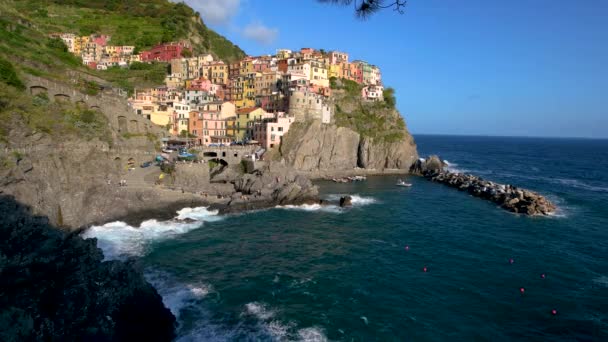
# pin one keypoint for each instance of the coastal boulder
(270, 184)
(346, 201)
(433, 165)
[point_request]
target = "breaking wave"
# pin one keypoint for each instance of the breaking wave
(360, 200)
(187, 302)
(277, 330)
(453, 167)
(356, 199)
(312, 207)
(177, 296)
(119, 240)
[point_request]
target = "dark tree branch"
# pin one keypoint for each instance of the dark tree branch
(365, 8)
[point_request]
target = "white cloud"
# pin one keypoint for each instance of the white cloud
(260, 33)
(217, 12)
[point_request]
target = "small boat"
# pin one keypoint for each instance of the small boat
(402, 183)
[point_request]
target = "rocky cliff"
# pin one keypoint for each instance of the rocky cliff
(55, 287)
(363, 135)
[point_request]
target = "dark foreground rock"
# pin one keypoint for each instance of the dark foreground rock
(508, 197)
(55, 287)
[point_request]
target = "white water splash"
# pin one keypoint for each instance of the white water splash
(453, 168)
(361, 201)
(177, 296)
(259, 310)
(118, 239)
(312, 207)
(356, 199)
(312, 334)
(277, 330)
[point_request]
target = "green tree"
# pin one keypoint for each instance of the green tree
(389, 97)
(186, 53)
(366, 8)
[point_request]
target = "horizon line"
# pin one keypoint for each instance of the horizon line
(512, 136)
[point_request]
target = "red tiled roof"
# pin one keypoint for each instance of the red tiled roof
(246, 110)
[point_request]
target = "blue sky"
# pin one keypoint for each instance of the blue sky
(517, 68)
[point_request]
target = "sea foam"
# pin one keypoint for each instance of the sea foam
(356, 199)
(177, 296)
(119, 240)
(270, 327)
(312, 207)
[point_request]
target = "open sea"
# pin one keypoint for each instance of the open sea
(316, 274)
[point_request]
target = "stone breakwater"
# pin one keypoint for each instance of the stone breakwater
(508, 197)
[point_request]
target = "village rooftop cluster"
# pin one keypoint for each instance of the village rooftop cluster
(212, 102)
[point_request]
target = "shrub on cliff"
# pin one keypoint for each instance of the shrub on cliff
(389, 97)
(40, 114)
(8, 74)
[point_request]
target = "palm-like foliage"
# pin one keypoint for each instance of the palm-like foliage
(366, 8)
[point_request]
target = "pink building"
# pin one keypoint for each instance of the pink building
(208, 127)
(306, 53)
(269, 132)
(100, 39)
(200, 84)
(356, 72)
(261, 65)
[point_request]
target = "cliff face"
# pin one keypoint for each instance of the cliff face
(57, 157)
(313, 146)
(363, 135)
(55, 286)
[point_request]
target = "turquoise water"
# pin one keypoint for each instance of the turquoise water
(317, 274)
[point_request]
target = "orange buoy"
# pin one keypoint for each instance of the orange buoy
(511, 261)
(554, 312)
(407, 248)
(542, 276)
(424, 269)
(522, 290)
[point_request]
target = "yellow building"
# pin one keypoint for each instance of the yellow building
(231, 130)
(335, 70)
(244, 119)
(162, 116)
(318, 74)
(246, 66)
(218, 74)
(174, 81)
(244, 91)
(111, 50)
(283, 53)
(79, 44)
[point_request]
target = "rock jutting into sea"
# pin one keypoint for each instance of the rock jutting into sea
(507, 196)
(55, 286)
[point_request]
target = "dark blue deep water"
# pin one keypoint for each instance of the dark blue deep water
(329, 274)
